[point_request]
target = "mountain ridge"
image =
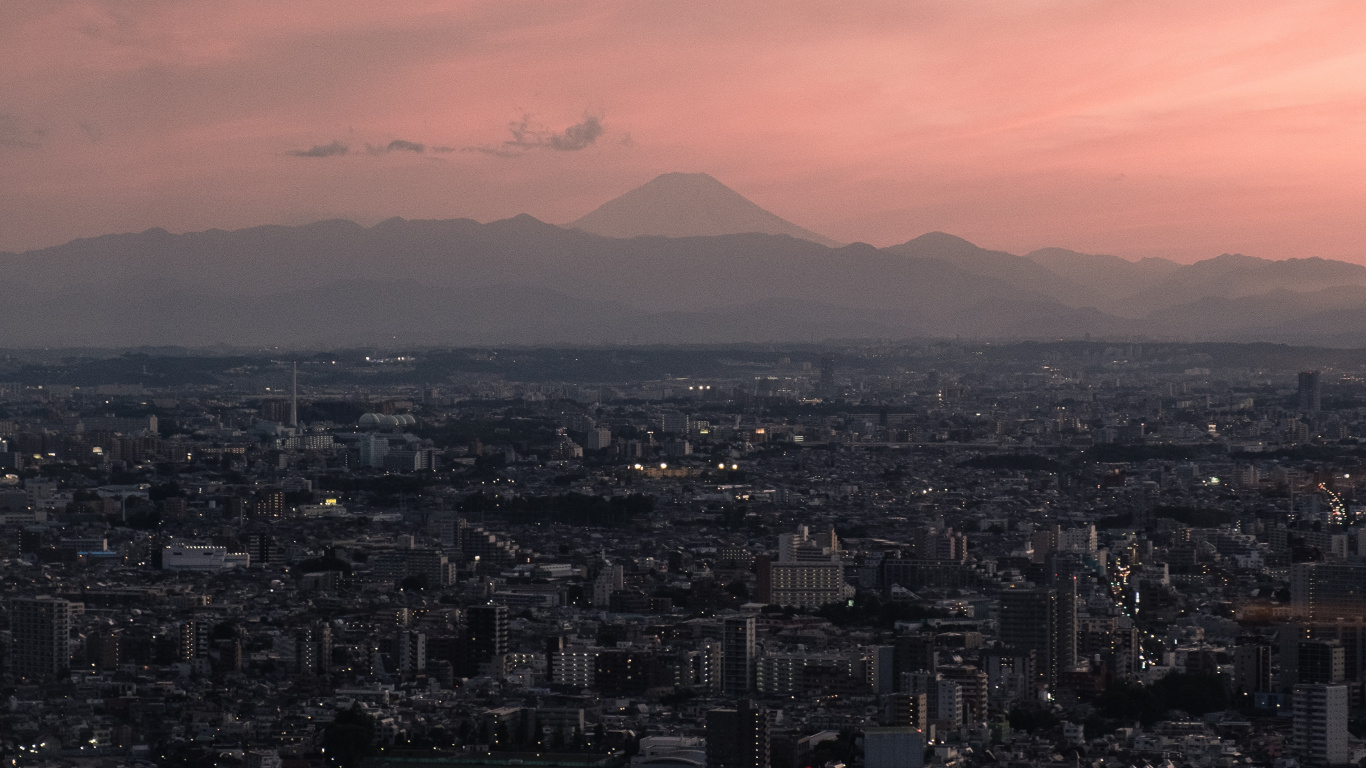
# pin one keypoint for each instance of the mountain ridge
(523, 280)
(687, 205)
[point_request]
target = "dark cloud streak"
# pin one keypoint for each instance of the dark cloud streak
(397, 145)
(335, 149)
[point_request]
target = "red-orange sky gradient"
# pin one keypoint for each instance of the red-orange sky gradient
(1140, 128)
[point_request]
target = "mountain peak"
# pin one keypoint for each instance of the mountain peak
(687, 205)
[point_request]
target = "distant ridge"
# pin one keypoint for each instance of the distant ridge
(524, 281)
(688, 205)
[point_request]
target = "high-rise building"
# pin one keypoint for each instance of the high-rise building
(827, 386)
(1320, 735)
(1321, 661)
(808, 574)
(612, 578)
(738, 738)
(42, 644)
(737, 655)
(1252, 666)
(1328, 591)
(908, 710)
(597, 439)
(486, 636)
(1310, 391)
(1043, 621)
(412, 651)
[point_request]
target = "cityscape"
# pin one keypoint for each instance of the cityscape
(880, 554)
(682, 384)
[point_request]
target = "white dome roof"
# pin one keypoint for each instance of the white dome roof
(406, 420)
(369, 420)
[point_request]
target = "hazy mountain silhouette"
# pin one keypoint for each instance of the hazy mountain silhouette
(687, 205)
(521, 280)
(997, 265)
(1106, 277)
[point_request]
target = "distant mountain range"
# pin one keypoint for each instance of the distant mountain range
(681, 259)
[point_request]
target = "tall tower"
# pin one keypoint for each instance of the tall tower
(1320, 735)
(737, 655)
(42, 643)
(1043, 621)
(1310, 391)
(486, 636)
(294, 398)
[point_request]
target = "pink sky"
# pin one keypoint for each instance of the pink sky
(1139, 128)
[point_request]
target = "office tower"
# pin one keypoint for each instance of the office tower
(1320, 735)
(1320, 662)
(882, 669)
(412, 651)
(42, 645)
(827, 387)
(294, 398)
(737, 655)
(598, 438)
(1350, 634)
(1310, 391)
(738, 738)
(1252, 666)
(486, 636)
(1328, 591)
(1043, 621)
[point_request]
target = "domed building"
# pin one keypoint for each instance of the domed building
(385, 421)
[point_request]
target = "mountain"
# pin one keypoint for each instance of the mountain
(996, 265)
(1104, 277)
(687, 205)
(1232, 276)
(523, 281)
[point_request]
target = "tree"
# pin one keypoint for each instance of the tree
(350, 738)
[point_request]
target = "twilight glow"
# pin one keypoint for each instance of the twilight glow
(1155, 128)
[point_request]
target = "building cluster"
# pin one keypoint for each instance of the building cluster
(946, 555)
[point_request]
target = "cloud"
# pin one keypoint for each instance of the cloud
(572, 139)
(334, 149)
(527, 137)
(14, 134)
(397, 145)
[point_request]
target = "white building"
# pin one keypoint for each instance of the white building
(1320, 736)
(598, 438)
(198, 557)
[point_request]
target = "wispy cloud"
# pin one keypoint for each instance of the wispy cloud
(334, 149)
(527, 136)
(575, 137)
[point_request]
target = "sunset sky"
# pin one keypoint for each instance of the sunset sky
(1150, 128)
